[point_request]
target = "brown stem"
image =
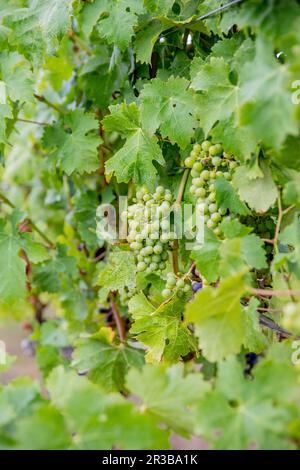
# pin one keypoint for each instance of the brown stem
(274, 293)
(29, 121)
(118, 320)
(43, 99)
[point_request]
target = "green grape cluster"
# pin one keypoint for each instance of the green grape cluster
(176, 284)
(149, 233)
(207, 161)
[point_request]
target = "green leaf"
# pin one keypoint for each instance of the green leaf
(246, 413)
(159, 7)
(218, 318)
(219, 97)
(44, 429)
(172, 107)
(106, 362)
(253, 251)
(17, 77)
(146, 39)
(255, 341)
(208, 257)
(227, 197)
(168, 394)
(265, 97)
(118, 272)
(12, 270)
(38, 28)
(74, 147)
(115, 19)
(135, 159)
(259, 193)
(161, 329)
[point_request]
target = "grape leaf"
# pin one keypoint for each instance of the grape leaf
(219, 97)
(135, 159)
(264, 96)
(106, 362)
(73, 145)
(218, 318)
(244, 409)
(17, 77)
(168, 394)
(118, 272)
(161, 329)
(172, 107)
(227, 197)
(259, 193)
(12, 269)
(38, 28)
(115, 19)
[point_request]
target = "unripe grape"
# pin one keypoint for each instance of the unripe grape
(165, 256)
(146, 197)
(141, 266)
(210, 224)
(200, 192)
(195, 173)
(166, 293)
(168, 197)
(189, 162)
(205, 174)
(186, 288)
(212, 196)
(216, 161)
(233, 165)
(193, 189)
(180, 283)
(165, 237)
(216, 217)
(160, 190)
(171, 282)
(147, 259)
(162, 265)
(227, 175)
(153, 266)
(155, 258)
(206, 145)
(222, 210)
(219, 173)
(217, 231)
(149, 242)
(216, 150)
(212, 175)
(158, 248)
(198, 182)
(136, 246)
(212, 208)
(148, 250)
(197, 148)
(198, 167)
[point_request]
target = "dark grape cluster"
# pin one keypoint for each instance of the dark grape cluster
(207, 161)
(150, 234)
(176, 284)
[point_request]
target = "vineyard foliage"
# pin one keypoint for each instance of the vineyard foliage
(168, 103)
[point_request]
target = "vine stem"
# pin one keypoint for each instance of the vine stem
(30, 222)
(43, 99)
(274, 293)
(118, 320)
(177, 204)
(29, 121)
